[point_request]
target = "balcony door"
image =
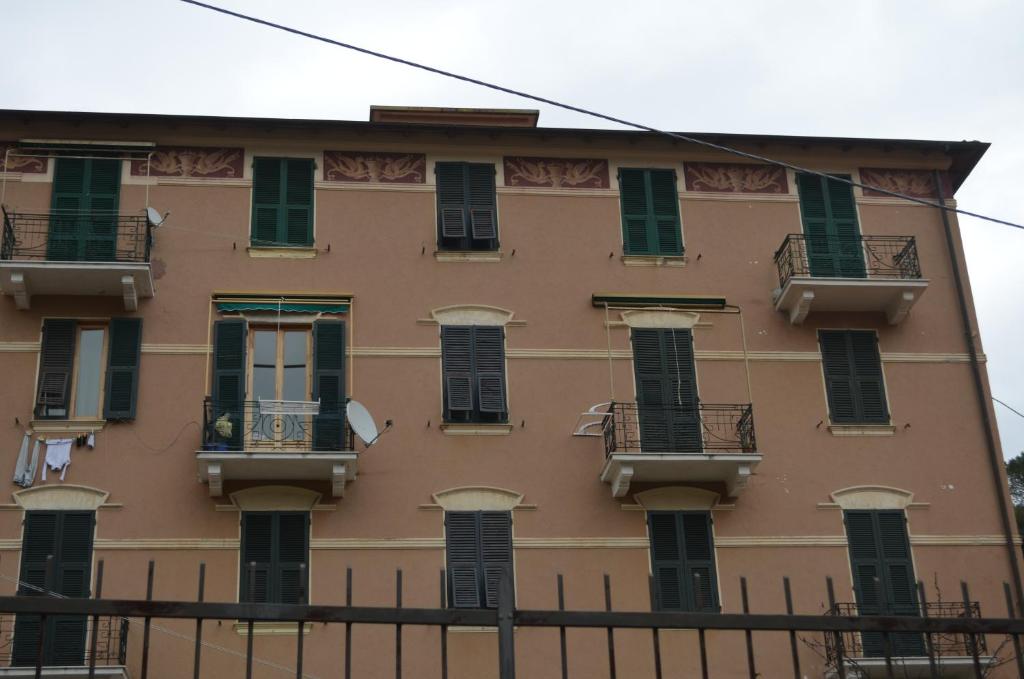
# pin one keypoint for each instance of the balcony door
(832, 235)
(666, 390)
(280, 372)
(83, 219)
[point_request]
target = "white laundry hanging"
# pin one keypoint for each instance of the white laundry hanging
(58, 456)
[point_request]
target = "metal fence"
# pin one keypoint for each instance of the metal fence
(641, 428)
(66, 236)
(245, 425)
(893, 257)
(110, 633)
(834, 628)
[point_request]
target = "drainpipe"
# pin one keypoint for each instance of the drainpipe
(998, 485)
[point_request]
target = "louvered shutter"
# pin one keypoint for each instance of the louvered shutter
(489, 356)
(122, 383)
(699, 551)
(104, 184)
(290, 579)
(457, 368)
(329, 384)
(39, 540)
(266, 201)
(867, 370)
(258, 546)
(467, 214)
(229, 375)
(482, 201)
(666, 385)
(665, 211)
(650, 212)
(829, 214)
(839, 381)
(667, 561)
(633, 196)
(451, 199)
(298, 202)
(682, 547)
(462, 547)
(495, 551)
(68, 202)
(853, 377)
(56, 357)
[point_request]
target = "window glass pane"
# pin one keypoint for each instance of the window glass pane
(294, 388)
(295, 348)
(294, 384)
(263, 383)
(264, 347)
(90, 356)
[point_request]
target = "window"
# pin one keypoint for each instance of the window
(275, 546)
(67, 536)
(829, 216)
(467, 214)
(87, 369)
(880, 550)
(853, 377)
(473, 363)
(683, 561)
(292, 363)
(84, 205)
(282, 202)
(650, 212)
(666, 390)
(478, 546)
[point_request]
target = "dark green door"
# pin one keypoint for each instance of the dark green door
(829, 215)
(666, 391)
(83, 222)
(67, 537)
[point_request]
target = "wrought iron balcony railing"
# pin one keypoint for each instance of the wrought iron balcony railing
(872, 644)
(66, 236)
(244, 425)
(892, 257)
(708, 427)
(19, 640)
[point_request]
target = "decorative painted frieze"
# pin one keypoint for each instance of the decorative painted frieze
(19, 163)
(192, 162)
(375, 167)
(916, 183)
(556, 173)
(735, 178)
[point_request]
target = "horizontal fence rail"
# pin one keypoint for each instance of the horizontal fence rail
(893, 257)
(244, 425)
(68, 236)
(708, 427)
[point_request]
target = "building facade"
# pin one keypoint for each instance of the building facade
(586, 352)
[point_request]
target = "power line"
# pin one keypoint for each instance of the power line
(1008, 407)
(594, 114)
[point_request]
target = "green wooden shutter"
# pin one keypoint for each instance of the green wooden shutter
(462, 549)
(682, 547)
(72, 580)
(257, 548)
(829, 215)
(122, 383)
(68, 202)
(457, 369)
(266, 201)
(666, 561)
(56, 358)
(104, 183)
(298, 202)
(698, 546)
(650, 212)
(39, 540)
(290, 579)
(495, 551)
(489, 365)
(482, 204)
(666, 390)
(229, 375)
(329, 384)
(853, 377)
(451, 200)
(467, 214)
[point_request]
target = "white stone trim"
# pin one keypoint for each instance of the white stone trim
(872, 497)
(660, 318)
(63, 497)
(677, 498)
(473, 498)
(471, 314)
(275, 498)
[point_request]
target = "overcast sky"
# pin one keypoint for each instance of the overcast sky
(873, 68)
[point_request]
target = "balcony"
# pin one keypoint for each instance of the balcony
(864, 652)
(75, 652)
(256, 441)
(713, 443)
(867, 273)
(71, 253)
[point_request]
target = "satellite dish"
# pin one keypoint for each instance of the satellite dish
(154, 217)
(361, 421)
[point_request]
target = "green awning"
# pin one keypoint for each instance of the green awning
(657, 300)
(284, 307)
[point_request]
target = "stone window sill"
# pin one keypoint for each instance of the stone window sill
(862, 429)
(85, 426)
(468, 255)
(259, 252)
(270, 628)
(654, 260)
(475, 429)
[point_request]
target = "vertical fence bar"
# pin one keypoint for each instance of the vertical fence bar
(348, 625)
(701, 638)
(1011, 613)
(748, 635)
(972, 638)
(301, 626)
(883, 598)
(96, 621)
(792, 633)
(199, 622)
(561, 629)
(147, 620)
(40, 642)
(840, 660)
(929, 640)
(506, 628)
(611, 630)
(655, 637)
(398, 627)
(444, 633)
(250, 627)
